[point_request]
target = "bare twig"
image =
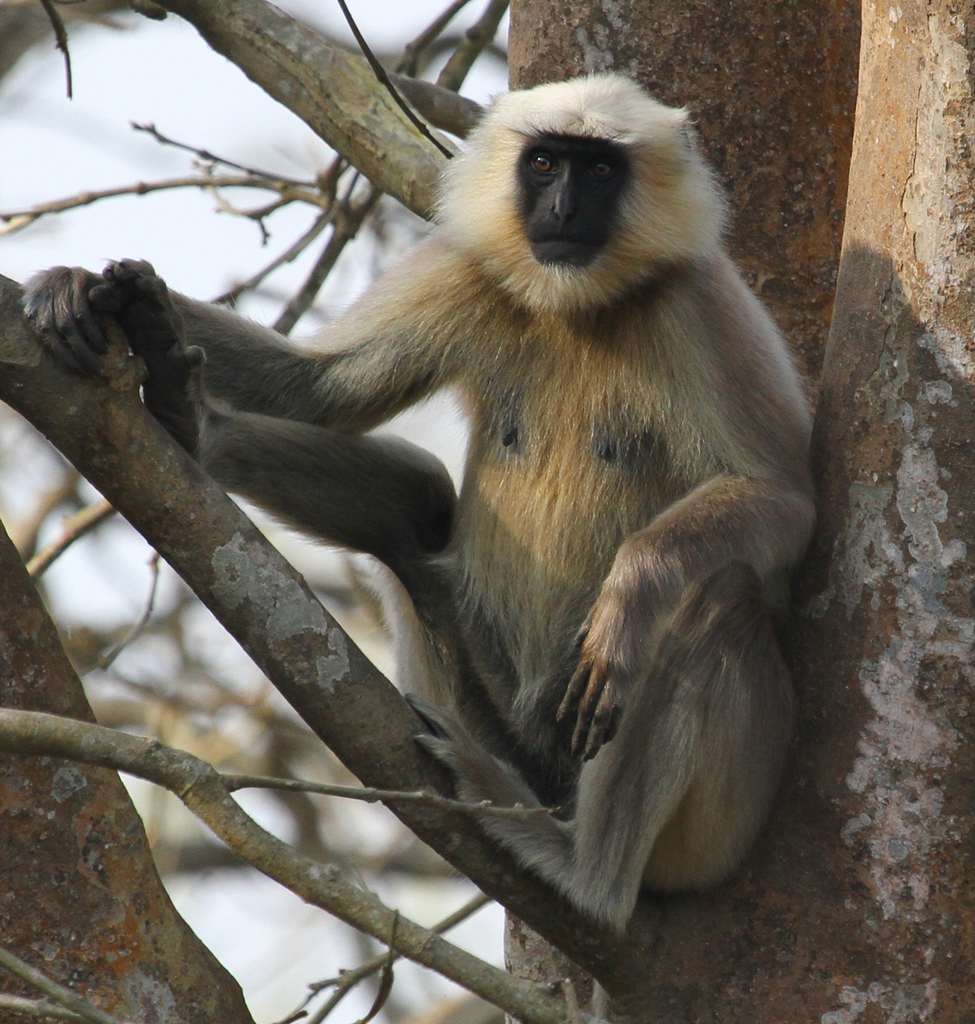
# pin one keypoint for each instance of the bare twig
(61, 995)
(347, 980)
(327, 183)
(200, 787)
(73, 527)
(373, 796)
(24, 532)
(288, 192)
(206, 155)
(415, 50)
(348, 220)
(475, 39)
(46, 1009)
(60, 40)
(383, 77)
(292, 252)
(386, 977)
(296, 1016)
(140, 624)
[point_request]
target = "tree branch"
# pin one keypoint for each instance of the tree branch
(15, 220)
(200, 786)
(443, 108)
(475, 39)
(347, 980)
(80, 1007)
(333, 91)
(73, 528)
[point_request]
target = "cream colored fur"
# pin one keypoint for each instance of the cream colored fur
(674, 211)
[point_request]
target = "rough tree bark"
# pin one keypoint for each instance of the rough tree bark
(79, 895)
(890, 629)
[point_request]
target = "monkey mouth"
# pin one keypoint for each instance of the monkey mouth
(563, 252)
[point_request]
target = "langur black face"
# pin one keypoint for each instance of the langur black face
(569, 191)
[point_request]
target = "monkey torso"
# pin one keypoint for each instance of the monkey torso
(561, 408)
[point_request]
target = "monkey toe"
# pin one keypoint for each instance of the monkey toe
(432, 717)
(605, 722)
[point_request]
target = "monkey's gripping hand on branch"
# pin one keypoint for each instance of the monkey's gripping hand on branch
(66, 304)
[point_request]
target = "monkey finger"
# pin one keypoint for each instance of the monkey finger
(91, 330)
(137, 277)
(568, 709)
(573, 693)
(104, 298)
(587, 710)
(605, 722)
(580, 638)
(195, 357)
(75, 351)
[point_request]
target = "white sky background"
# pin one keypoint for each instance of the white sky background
(51, 148)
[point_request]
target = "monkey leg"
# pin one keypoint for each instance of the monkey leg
(371, 493)
(675, 800)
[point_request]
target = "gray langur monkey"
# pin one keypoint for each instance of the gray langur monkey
(594, 610)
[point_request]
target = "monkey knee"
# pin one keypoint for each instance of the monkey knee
(701, 845)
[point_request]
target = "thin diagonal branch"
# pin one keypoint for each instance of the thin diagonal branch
(415, 50)
(73, 528)
(383, 77)
(71, 1000)
(199, 785)
(475, 39)
(61, 40)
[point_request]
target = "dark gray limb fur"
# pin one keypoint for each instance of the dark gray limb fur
(380, 495)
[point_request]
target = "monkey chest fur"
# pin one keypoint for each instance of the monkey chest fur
(573, 447)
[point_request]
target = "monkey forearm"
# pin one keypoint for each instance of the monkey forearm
(764, 524)
(258, 371)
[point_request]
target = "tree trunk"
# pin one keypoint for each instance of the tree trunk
(80, 899)
(889, 601)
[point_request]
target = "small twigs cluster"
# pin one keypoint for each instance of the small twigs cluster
(73, 528)
(348, 980)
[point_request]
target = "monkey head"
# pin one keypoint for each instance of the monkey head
(572, 193)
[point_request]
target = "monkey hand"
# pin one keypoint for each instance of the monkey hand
(59, 304)
(610, 646)
(64, 304)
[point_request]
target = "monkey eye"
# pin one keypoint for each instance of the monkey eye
(602, 169)
(543, 163)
